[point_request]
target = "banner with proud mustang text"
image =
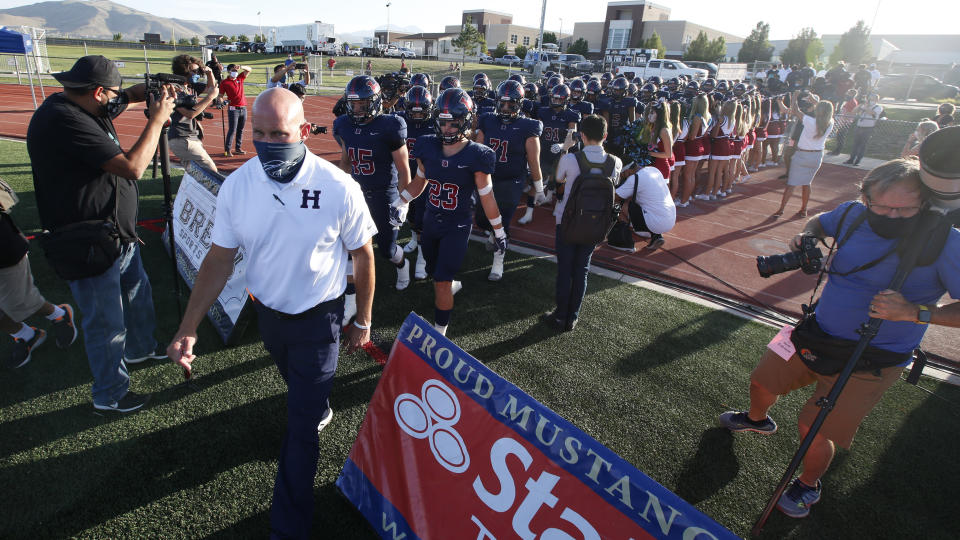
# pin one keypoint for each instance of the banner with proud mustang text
(450, 450)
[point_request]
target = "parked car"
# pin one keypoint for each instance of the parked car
(406, 52)
(924, 87)
(665, 69)
(486, 59)
(535, 57)
(353, 52)
(509, 60)
(709, 66)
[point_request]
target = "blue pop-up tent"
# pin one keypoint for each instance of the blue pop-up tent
(12, 42)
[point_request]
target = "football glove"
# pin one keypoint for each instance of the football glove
(398, 212)
(500, 237)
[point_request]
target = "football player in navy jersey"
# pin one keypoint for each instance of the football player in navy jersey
(374, 152)
(481, 96)
(578, 91)
(418, 113)
(389, 92)
(454, 170)
(531, 98)
(559, 125)
(620, 110)
(516, 142)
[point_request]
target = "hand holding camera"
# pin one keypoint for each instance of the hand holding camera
(162, 103)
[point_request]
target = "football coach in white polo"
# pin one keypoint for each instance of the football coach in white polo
(297, 217)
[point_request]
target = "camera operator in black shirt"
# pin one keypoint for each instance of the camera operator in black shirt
(186, 134)
(83, 177)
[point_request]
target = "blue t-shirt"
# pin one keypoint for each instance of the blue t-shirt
(845, 303)
(370, 148)
(451, 187)
(619, 111)
(509, 143)
(416, 129)
(554, 130)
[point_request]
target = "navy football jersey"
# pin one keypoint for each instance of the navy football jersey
(486, 105)
(451, 185)
(370, 148)
(509, 142)
(554, 129)
(415, 129)
(619, 111)
(584, 108)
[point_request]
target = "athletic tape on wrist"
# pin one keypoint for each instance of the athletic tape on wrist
(485, 189)
(538, 185)
(406, 197)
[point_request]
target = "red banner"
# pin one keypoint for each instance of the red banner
(450, 450)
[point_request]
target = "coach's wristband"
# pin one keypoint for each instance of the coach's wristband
(360, 326)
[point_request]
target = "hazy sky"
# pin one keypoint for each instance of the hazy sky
(737, 17)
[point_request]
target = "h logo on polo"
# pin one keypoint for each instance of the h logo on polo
(444, 163)
(315, 197)
(432, 416)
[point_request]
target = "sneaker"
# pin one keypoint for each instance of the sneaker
(702, 197)
(739, 421)
(798, 498)
(676, 201)
(325, 421)
(623, 249)
(642, 234)
(411, 245)
(64, 330)
(570, 326)
(848, 162)
(128, 403)
(22, 348)
(752, 169)
(656, 242)
(403, 275)
(420, 270)
(239, 152)
(227, 154)
(441, 329)
(455, 287)
(155, 355)
(783, 176)
(712, 198)
(721, 194)
(551, 319)
(527, 217)
(496, 270)
(683, 204)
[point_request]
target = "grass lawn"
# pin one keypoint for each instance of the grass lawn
(645, 374)
(62, 58)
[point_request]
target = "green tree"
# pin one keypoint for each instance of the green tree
(118, 36)
(520, 51)
(232, 39)
(469, 40)
(697, 49)
(550, 37)
(717, 50)
(654, 42)
(580, 46)
(757, 46)
(806, 47)
(223, 39)
(500, 50)
(183, 41)
(195, 40)
(243, 37)
(854, 45)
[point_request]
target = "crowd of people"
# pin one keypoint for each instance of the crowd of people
(608, 149)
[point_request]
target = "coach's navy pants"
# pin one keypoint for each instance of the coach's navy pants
(305, 352)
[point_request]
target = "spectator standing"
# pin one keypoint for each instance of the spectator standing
(331, 62)
(185, 133)
(874, 76)
(924, 129)
(370, 67)
(845, 119)
(80, 173)
(296, 271)
(783, 72)
(20, 299)
(866, 115)
(862, 80)
(232, 88)
(808, 157)
(945, 115)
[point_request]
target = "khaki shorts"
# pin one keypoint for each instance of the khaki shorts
(191, 150)
(862, 392)
(19, 297)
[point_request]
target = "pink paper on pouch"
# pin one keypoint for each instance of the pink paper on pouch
(782, 345)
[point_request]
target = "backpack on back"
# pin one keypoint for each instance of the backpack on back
(591, 208)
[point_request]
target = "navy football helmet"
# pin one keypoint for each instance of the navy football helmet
(656, 80)
(739, 89)
(481, 88)
(531, 90)
(418, 105)
(509, 100)
(709, 85)
(420, 79)
(453, 106)
(479, 76)
(560, 96)
(606, 78)
(619, 88)
(519, 78)
(578, 89)
(692, 89)
(449, 82)
(647, 91)
(364, 99)
(593, 88)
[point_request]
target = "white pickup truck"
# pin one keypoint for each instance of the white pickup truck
(665, 69)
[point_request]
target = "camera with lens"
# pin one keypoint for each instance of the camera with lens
(317, 130)
(154, 83)
(809, 259)
(299, 66)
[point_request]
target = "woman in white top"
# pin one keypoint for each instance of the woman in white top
(809, 156)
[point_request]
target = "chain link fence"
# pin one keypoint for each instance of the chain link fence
(885, 140)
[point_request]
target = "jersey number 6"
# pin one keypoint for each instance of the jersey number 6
(444, 195)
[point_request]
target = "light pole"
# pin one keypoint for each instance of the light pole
(388, 25)
(560, 37)
(260, 28)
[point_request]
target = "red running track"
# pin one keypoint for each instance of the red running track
(713, 246)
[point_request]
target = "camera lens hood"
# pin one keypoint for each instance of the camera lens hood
(940, 166)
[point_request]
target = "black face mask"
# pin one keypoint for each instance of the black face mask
(115, 105)
(889, 227)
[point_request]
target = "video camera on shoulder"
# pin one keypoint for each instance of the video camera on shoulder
(809, 259)
(155, 82)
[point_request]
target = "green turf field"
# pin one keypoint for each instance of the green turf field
(645, 374)
(62, 58)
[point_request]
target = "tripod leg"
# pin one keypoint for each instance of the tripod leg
(156, 156)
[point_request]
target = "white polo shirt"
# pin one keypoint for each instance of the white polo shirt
(297, 235)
